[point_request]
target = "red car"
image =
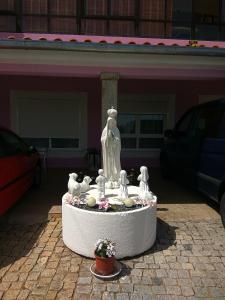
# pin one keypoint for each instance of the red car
(20, 168)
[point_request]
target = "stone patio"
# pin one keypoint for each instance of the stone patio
(186, 262)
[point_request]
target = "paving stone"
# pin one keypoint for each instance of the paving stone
(122, 296)
(216, 292)
(201, 292)
(161, 273)
(56, 285)
(187, 291)
(83, 288)
(4, 286)
(113, 287)
(173, 290)
(39, 291)
(65, 294)
(80, 296)
(158, 290)
(10, 277)
(23, 294)
(126, 287)
(170, 281)
(33, 276)
(99, 287)
(30, 284)
(125, 279)
(94, 296)
(84, 280)
(136, 296)
(51, 295)
(108, 296)
(183, 274)
(143, 289)
(157, 281)
(11, 294)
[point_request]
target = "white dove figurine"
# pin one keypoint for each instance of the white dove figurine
(84, 185)
(73, 185)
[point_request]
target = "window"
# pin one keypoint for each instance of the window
(186, 19)
(66, 143)
(96, 7)
(141, 131)
(54, 121)
(185, 125)
(53, 16)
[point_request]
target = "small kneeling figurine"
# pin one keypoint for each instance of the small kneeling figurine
(84, 185)
(101, 180)
(123, 193)
(73, 185)
(143, 186)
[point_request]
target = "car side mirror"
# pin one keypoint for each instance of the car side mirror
(30, 150)
(169, 133)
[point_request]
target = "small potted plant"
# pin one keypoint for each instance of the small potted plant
(105, 256)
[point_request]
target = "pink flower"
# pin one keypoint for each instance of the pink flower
(104, 205)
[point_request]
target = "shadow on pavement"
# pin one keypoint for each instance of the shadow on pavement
(16, 242)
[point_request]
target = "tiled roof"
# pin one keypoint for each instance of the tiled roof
(109, 40)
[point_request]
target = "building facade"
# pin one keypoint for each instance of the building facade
(64, 63)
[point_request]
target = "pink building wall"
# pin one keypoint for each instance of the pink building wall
(186, 96)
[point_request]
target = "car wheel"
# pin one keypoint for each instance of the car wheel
(37, 177)
(222, 209)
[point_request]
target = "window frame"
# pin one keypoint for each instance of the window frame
(138, 135)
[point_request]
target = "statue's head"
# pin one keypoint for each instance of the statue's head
(101, 172)
(123, 174)
(111, 122)
(73, 176)
(112, 112)
(144, 172)
(87, 179)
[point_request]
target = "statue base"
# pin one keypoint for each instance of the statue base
(133, 231)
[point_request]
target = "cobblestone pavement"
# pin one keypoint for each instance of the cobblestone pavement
(187, 262)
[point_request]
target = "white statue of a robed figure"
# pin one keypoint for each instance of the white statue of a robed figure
(111, 148)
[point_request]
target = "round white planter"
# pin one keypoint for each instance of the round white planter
(133, 231)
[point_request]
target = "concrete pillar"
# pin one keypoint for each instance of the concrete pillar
(109, 93)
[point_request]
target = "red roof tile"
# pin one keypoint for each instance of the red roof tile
(108, 40)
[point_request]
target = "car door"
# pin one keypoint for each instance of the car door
(182, 146)
(212, 156)
(16, 169)
(24, 161)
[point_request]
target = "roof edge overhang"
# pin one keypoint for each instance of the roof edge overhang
(111, 44)
(113, 48)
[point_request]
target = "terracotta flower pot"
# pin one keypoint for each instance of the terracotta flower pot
(104, 265)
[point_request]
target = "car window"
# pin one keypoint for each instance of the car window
(3, 151)
(209, 122)
(11, 143)
(185, 124)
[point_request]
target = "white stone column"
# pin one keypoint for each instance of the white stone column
(109, 93)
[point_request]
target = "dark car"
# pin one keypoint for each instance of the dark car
(20, 168)
(195, 150)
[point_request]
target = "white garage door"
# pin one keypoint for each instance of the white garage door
(57, 122)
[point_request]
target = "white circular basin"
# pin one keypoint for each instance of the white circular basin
(133, 231)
